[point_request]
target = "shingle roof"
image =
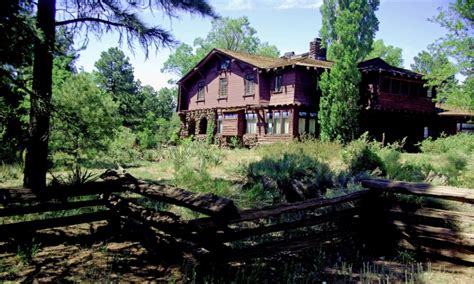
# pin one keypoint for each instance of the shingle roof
(378, 64)
(270, 62)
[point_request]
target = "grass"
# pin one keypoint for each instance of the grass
(255, 178)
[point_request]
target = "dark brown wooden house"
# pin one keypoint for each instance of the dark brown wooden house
(260, 99)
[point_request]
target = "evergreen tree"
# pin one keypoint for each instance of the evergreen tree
(348, 31)
(93, 16)
(115, 76)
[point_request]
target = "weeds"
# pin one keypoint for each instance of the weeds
(76, 176)
(26, 252)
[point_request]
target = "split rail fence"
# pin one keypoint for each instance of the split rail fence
(376, 217)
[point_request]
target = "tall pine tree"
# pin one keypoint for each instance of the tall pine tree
(348, 31)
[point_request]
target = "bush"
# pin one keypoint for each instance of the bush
(360, 156)
(461, 142)
(289, 178)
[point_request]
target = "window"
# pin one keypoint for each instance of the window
(395, 87)
(251, 123)
(223, 88)
(285, 120)
(404, 88)
(269, 129)
(201, 91)
(278, 83)
(230, 115)
(313, 116)
(249, 84)
(219, 124)
(277, 122)
(385, 85)
(413, 89)
(426, 132)
(302, 122)
(429, 92)
(224, 65)
(202, 126)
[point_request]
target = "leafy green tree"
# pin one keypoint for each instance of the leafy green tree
(84, 119)
(453, 54)
(115, 76)
(227, 33)
(348, 31)
(93, 16)
(159, 108)
(392, 55)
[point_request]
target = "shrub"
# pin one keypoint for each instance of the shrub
(289, 178)
(462, 142)
(10, 172)
(360, 156)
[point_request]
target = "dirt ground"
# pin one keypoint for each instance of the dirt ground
(97, 252)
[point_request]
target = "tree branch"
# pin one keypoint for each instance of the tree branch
(89, 19)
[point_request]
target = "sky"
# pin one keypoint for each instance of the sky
(288, 24)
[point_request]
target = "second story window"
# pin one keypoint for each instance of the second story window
(249, 84)
(278, 83)
(201, 91)
(223, 88)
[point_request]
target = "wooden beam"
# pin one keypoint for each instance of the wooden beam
(29, 226)
(422, 189)
(270, 211)
(307, 222)
(48, 207)
(205, 203)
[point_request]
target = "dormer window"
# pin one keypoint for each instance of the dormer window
(201, 91)
(278, 83)
(249, 84)
(224, 65)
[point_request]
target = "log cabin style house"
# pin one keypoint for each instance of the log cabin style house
(262, 100)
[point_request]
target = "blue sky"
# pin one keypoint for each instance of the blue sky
(288, 24)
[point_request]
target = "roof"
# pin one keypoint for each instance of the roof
(264, 62)
(444, 110)
(379, 65)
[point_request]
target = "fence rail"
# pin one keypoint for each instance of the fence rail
(367, 216)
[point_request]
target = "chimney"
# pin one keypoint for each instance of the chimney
(316, 51)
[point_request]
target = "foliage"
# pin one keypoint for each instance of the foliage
(390, 54)
(462, 142)
(458, 47)
(211, 127)
(360, 157)
(85, 117)
(275, 175)
(227, 33)
(76, 176)
(16, 56)
(348, 31)
(10, 172)
(115, 76)
(76, 16)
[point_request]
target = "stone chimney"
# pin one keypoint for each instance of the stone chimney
(316, 51)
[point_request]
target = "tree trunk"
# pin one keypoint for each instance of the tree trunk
(36, 162)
